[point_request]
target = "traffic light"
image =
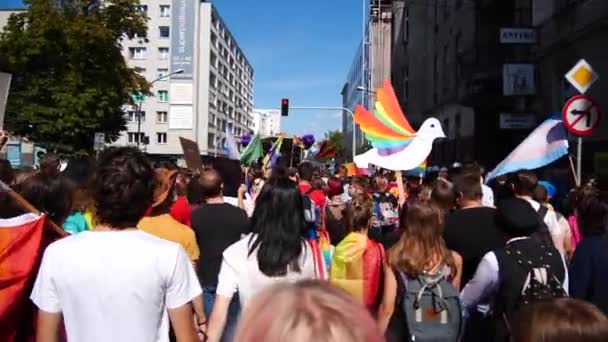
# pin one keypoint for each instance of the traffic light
(284, 107)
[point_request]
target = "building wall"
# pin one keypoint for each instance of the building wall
(569, 32)
(351, 96)
(222, 84)
(266, 122)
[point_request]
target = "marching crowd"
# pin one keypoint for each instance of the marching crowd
(159, 253)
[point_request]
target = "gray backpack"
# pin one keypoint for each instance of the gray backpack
(432, 308)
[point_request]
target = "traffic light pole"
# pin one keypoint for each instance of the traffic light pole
(352, 116)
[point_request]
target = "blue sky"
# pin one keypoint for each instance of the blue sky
(299, 49)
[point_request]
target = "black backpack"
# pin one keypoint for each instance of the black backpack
(541, 284)
(543, 234)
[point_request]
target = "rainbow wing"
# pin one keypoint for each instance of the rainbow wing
(387, 128)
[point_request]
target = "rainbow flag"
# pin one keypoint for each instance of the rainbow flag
(420, 170)
(356, 267)
(352, 170)
(386, 128)
(21, 240)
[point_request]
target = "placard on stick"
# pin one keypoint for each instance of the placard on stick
(192, 154)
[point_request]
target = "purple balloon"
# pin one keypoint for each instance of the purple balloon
(245, 139)
(308, 140)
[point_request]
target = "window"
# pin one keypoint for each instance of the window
(213, 20)
(406, 84)
(142, 9)
(211, 140)
(213, 39)
(161, 138)
(212, 100)
(163, 96)
(163, 31)
(162, 72)
(163, 53)
(457, 54)
(213, 59)
(213, 80)
(161, 117)
(137, 53)
(211, 120)
(406, 24)
(165, 11)
(445, 69)
(132, 116)
(132, 137)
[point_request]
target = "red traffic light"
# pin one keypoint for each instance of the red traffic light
(284, 107)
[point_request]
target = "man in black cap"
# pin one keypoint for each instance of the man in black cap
(523, 268)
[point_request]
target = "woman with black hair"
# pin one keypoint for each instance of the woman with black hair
(274, 252)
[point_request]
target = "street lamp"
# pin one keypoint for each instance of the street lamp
(178, 71)
(365, 90)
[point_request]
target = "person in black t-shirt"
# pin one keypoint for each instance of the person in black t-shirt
(217, 226)
(471, 231)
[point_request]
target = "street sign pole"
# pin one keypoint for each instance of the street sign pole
(579, 158)
(581, 114)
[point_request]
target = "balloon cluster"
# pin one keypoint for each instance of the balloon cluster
(245, 139)
(308, 140)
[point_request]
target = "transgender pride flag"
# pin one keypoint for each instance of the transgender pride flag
(547, 143)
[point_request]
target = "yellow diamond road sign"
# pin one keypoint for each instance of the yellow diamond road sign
(582, 76)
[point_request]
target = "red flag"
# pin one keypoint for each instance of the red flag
(21, 239)
(327, 150)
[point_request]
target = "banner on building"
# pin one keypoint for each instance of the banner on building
(182, 38)
(181, 93)
(518, 79)
(180, 117)
(5, 84)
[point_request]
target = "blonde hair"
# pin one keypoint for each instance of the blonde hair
(306, 311)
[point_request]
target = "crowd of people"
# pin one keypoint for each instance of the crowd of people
(158, 253)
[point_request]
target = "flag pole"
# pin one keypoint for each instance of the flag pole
(574, 174)
(25, 205)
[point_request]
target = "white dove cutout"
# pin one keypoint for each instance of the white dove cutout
(411, 156)
(396, 145)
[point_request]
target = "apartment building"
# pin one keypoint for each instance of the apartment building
(202, 82)
(266, 122)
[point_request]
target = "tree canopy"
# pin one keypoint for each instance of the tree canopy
(70, 78)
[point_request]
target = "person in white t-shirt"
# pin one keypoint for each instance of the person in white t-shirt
(275, 252)
(117, 283)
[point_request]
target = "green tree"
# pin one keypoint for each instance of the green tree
(336, 138)
(70, 78)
